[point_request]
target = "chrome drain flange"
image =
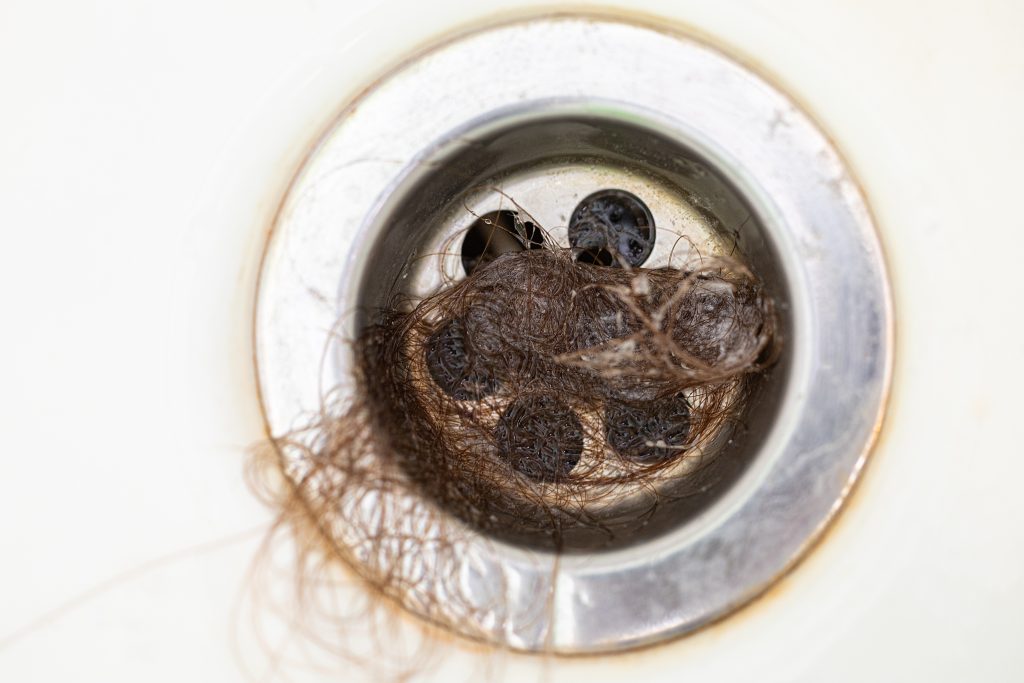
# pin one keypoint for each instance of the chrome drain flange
(543, 113)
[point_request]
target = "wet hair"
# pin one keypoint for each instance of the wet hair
(539, 400)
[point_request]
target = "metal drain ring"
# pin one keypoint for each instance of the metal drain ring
(784, 166)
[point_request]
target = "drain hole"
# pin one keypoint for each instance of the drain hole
(648, 431)
(455, 369)
(598, 257)
(612, 225)
(497, 233)
(540, 437)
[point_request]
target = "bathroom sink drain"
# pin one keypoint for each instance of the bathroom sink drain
(653, 146)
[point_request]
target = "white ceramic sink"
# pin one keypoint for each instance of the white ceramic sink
(144, 150)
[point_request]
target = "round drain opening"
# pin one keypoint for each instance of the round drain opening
(454, 367)
(541, 437)
(497, 233)
(612, 227)
(724, 164)
(648, 431)
(561, 167)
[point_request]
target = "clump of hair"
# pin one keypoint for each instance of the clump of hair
(537, 400)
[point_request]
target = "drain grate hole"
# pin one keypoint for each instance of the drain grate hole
(454, 367)
(648, 432)
(540, 437)
(497, 233)
(597, 257)
(610, 227)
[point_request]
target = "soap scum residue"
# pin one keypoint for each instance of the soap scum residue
(540, 401)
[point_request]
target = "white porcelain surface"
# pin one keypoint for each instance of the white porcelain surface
(143, 151)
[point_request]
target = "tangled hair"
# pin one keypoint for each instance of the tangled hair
(540, 400)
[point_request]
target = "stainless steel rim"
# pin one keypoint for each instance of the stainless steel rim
(826, 248)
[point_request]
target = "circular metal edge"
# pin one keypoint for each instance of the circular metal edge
(754, 536)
